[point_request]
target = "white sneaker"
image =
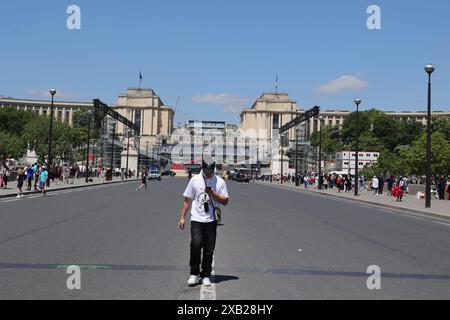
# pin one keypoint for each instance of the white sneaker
(18, 196)
(194, 280)
(206, 282)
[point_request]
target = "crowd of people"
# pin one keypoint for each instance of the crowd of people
(396, 187)
(36, 177)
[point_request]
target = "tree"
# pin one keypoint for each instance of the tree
(386, 130)
(13, 121)
(415, 157)
(11, 146)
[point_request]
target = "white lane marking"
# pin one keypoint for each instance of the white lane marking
(209, 293)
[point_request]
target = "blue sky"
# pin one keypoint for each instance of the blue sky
(214, 54)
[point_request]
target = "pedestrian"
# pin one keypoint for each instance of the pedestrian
(65, 173)
(29, 175)
(338, 183)
(441, 188)
(144, 181)
(375, 185)
(43, 179)
(448, 189)
(20, 178)
(37, 172)
(397, 192)
(348, 181)
(202, 194)
(325, 182)
(361, 183)
(380, 186)
(4, 173)
(390, 184)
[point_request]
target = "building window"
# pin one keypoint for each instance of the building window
(346, 163)
(338, 122)
(66, 120)
(60, 116)
(276, 122)
(330, 123)
(137, 118)
(44, 112)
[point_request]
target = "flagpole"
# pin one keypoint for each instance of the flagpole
(276, 86)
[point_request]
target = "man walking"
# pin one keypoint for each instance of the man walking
(43, 179)
(375, 185)
(203, 193)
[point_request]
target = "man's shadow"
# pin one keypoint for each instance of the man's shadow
(222, 278)
(218, 279)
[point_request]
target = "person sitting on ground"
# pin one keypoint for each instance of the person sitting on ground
(398, 192)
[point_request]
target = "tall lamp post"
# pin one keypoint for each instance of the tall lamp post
(50, 136)
(128, 150)
(429, 68)
(88, 146)
(146, 154)
(357, 102)
(297, 180)
(320, 153)
(112, 147)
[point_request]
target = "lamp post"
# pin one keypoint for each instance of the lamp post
(357, 102)
(297, 180)
(50, 136)
(320, 154)
(112, 151)
(429, 68)
(128, 150)
(146, 153)
(88, 147)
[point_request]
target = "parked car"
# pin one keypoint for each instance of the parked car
(169, 173)
(154, 175)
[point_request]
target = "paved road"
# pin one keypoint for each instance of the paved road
(129, 248)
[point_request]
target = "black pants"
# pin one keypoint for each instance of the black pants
(203, 236)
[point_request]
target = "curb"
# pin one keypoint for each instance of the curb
(68, 188)
(407, 210)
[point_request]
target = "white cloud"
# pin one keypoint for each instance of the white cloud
(45, 94)
(228, 101)
(342, 84)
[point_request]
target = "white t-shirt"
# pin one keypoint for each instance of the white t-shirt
(196, 191)
(375, 183)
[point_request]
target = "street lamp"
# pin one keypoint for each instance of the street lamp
(146, 153)
(112, 147)
(429, 68)
(357, 102)
(88, 147)
(128, 131)
(320, 153)
(50, 136)
(297, 180)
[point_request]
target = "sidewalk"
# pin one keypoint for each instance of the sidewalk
(78, 183)
(440, 208)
